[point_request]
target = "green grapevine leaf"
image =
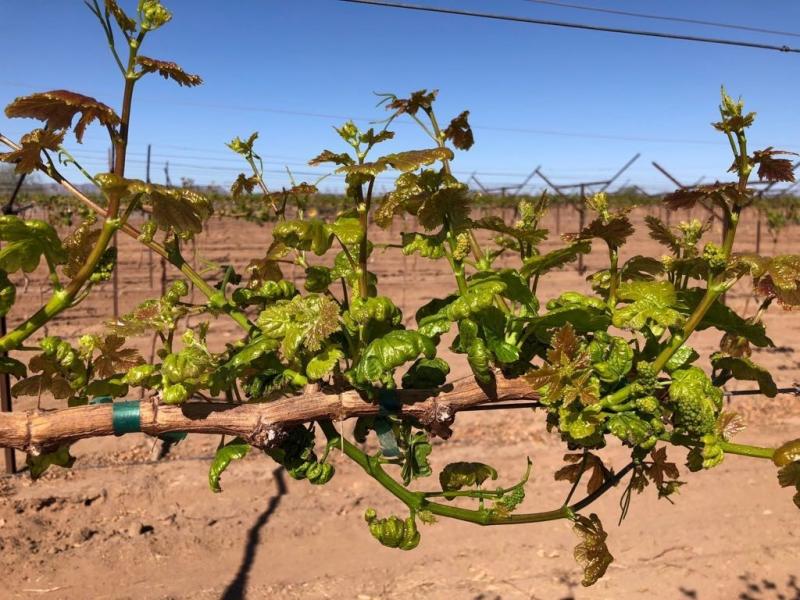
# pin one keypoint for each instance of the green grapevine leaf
(743, 368)
(323, 363)
(61, 457)
(465, 474)
(236, 449)
(542, 263)
(426, 373)
(651, 304)
(26, 243)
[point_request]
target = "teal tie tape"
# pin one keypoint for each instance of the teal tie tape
(126, 417)
(389, 401)
(386, 439)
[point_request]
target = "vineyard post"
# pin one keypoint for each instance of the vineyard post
(115, 273)
(150, 252)
(9, 455)
(5, 406)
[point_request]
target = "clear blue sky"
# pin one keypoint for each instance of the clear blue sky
(264, 61)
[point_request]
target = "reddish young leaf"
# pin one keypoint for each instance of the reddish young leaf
(26, 158)
(771, 168)
(459, 132)
(168, 70)
(58, 108)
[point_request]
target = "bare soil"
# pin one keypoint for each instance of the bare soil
(122, 524)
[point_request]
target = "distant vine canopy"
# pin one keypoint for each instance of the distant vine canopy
(613, 366)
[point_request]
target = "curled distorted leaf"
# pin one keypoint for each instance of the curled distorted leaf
(612, 357)
(426, 373)
(592, 552)
(13, 367)
(322, 364)
(309, 234)
(651, 302)
(39, 463)
(429, 195)
(786, 453)
(243, 185)
(236, 449)
(459, 132)
(788, 476)
(631, 429)
(427, 246)
(465, 474)
(393, 532)
(8, 294)
(776, 276)
(26, 243)
(744, 369)
(168, 70)
(416, 450)
(57, 109)
(385, 354)
(27, 158)
(421, 99)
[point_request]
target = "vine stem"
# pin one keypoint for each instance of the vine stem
(61, 299)
(238, 316)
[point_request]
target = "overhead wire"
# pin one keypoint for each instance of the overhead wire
(572, 25)
(671, 19)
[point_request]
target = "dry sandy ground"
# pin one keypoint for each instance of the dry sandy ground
(122, 525)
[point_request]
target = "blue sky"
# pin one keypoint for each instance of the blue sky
(578, 103)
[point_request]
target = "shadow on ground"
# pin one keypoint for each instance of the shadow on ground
(236, 588)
